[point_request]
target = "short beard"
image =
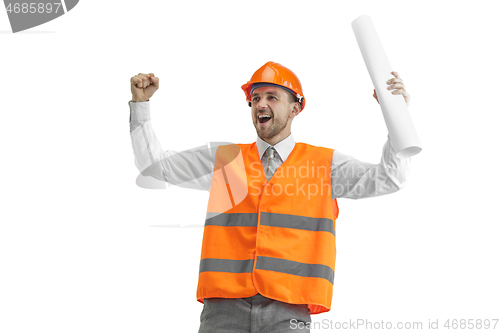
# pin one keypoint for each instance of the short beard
(276, 128)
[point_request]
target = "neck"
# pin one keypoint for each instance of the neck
(277, 138)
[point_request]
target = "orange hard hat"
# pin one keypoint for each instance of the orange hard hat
(277, 74)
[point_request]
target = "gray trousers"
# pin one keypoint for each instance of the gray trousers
(256, 314)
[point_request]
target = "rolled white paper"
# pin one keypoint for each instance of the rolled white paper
(404, 138)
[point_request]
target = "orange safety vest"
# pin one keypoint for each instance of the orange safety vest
(275, 238)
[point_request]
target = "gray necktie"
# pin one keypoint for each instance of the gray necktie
(272, 163)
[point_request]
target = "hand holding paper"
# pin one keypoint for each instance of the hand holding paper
(396, 83)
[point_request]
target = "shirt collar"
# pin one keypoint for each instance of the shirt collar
(284, 147)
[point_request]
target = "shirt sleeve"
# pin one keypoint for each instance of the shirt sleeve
(192, 168)
(354, 179)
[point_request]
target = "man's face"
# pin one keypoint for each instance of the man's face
(273, 102)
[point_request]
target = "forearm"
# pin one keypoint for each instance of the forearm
(145, 144)
(354, 179)
(394, 172)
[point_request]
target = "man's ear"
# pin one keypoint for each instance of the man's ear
(296, 109)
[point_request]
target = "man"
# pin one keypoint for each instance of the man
(268, 253)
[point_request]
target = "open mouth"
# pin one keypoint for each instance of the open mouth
(263, 118)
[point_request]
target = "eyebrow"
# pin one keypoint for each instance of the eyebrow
(267, 93)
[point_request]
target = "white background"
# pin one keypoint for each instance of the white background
(79, 246)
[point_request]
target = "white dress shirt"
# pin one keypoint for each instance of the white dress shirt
(193, 168)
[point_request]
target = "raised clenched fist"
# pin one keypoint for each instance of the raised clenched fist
(143, 86)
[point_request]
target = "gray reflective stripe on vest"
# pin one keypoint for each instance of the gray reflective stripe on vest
(295, 268)
(232, 220)
(226, 265)
(297, 222)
